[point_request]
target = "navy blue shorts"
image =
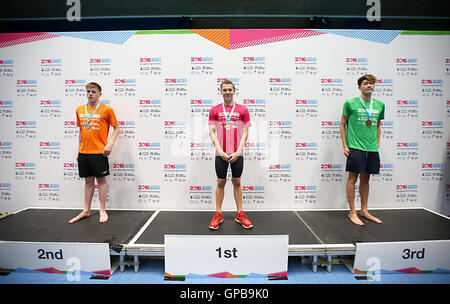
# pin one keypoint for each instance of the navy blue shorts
(359, 161)
(222, 167)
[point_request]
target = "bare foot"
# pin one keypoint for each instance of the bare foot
(80, 216)
(369, 216)
(355, 219)
(103, 217)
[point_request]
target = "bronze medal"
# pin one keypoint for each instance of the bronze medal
(368, 122)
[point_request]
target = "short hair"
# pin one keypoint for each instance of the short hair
(94, 85)
(227, 82)
(369, 77)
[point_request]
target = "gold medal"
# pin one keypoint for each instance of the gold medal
(227, 127)
(368, 123)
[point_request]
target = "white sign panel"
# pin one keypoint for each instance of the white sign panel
(56, 257)
(226, 255)
(407, 257)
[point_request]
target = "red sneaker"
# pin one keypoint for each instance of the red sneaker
(216, 220)
(242, 219)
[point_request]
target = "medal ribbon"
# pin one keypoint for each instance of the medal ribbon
(228, 118)
(88, 118)
(370, 109)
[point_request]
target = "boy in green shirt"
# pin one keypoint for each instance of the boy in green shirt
(360, 135)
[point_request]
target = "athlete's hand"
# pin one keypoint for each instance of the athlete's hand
(233, 157)
(346, 151)
(107, 150)
(225, 156)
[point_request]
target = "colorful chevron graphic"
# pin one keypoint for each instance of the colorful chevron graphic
(411, 270)
(230, 39)
(56, 271)
(225, 275)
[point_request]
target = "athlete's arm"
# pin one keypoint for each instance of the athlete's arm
(112, 140)
(344, 120)
(238, 152)
(215, 141)
(378, 133)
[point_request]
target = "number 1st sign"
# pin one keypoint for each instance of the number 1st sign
(226, 256)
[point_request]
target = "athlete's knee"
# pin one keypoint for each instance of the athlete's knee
(236, 181)
(221, 182)
(90, 180)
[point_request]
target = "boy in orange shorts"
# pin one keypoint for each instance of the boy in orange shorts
(94, 120)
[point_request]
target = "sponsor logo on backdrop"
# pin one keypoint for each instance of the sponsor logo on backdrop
(70, 171)
(280, 129)
(331, 172)
(305, 194)
(48, 192)
(149, 193)
(200, 195)
(26, 129)
(407, 150)
(253, 195)
(150, 66)
(383, 88)
(330, 129)
(149, 108)
(306, 108)
(24, 170)
(356, 66)
(386, 174)
(49, 150)
(407, 108)
(174, 173)
(50, 108)
(306, 65)
(306, 151)
(432, 129)
(256, 107)
(149, 150)
(70, 129)
(6, 149)
(202, 65)
(406, 193)
(5, 191)
(431, 87)
(6, 68)
(200, 107)
(127, 129)
(175, 129)
(406, 66)
(252, 65)
(280, 173)
(74, 87)
(387, 129)
(175, 87)
(255, 151)
(123, 172)
(201, 151)
(431, 171)
(124, 87)
(100, 66)
(6, 108)
(280, 86)
(51, 67)
(26, 88)
(331, 86)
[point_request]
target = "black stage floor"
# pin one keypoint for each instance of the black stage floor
(134, 229)
(52, 225)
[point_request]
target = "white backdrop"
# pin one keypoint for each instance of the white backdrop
(162, 85)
